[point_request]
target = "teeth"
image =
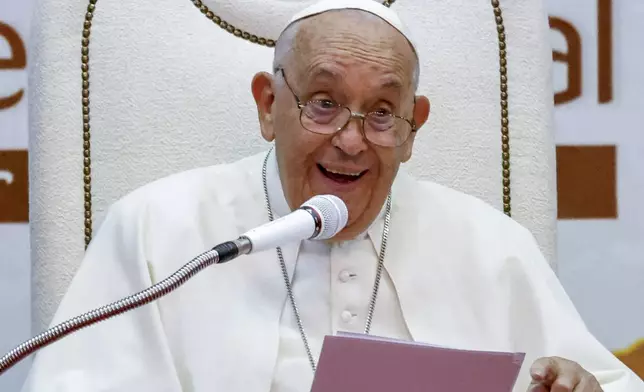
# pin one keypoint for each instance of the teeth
(345, 174)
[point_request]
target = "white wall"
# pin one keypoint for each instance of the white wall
(15, 322)
(14, 298)
(602, 260)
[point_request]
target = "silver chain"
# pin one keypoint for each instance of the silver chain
(287, 280)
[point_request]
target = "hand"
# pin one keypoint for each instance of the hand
(561, 375)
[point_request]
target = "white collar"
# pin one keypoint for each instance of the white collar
(276, 197)
(280, 207)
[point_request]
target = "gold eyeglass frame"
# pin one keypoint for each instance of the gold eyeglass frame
(363, 117)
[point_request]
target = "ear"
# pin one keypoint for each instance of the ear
(264, 94)
(421, 114)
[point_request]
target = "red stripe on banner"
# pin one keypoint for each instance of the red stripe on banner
(586, 182)
(14, 186)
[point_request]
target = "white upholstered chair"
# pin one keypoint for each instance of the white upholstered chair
(161, 86)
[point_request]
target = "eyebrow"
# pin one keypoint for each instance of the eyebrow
(390, 83)
(322, 73)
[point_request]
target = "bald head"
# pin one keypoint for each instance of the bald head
(347, 33)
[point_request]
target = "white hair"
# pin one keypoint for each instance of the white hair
(284, 47)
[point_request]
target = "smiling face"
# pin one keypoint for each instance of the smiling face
(340, 58)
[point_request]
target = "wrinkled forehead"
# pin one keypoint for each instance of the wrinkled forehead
(338, 43)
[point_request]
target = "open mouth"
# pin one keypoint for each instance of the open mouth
(341, 177)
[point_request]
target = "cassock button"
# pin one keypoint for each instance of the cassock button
(345, 276)
(347, 316)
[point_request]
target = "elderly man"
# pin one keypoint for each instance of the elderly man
(342, 112)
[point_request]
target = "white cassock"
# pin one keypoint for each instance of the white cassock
(457, 273)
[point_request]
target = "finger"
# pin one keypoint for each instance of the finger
(588, 383)
(566, 382)
(544, 370)
(537, 387)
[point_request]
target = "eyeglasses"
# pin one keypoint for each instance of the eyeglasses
(323, 116)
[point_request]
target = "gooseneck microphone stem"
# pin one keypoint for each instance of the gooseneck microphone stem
(219, 254)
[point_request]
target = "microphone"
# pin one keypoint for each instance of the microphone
(329, 215)
(320, 218)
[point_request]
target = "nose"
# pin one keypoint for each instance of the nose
(350, 139)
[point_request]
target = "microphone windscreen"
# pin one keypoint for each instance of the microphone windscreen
(334, 214)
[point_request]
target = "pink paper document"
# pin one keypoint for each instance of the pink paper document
(361, 363)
